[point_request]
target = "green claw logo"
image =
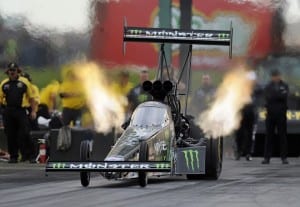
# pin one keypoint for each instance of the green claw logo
(135, 32)
(58, 165)
(191, 158)
(223, 35)
(163, 165)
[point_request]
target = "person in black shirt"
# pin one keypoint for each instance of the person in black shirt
(244, 134)
(276, 93)
(203, 96)
(15, 91)
(244, 137)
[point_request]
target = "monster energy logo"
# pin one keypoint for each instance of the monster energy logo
(58, 165)
(223, 35)
(109, 165)
(191, 159)
(162, 165)
(177, 33)
(135, 31)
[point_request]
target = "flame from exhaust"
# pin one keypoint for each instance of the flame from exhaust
(223, 117)
(106, 107)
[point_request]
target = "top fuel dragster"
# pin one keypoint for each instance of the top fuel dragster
(160, 137)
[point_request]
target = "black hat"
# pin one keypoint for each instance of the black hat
(13, 66)
(275, 72)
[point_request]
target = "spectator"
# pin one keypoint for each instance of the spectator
(203, 95)
(14, 92)
(137, 95)
(123, 85)
(122, 88)
(73, 98)
(276, 93)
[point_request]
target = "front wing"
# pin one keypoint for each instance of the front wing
(110, 166)
(189, 160)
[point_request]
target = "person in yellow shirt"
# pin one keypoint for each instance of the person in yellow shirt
(48, 99)
(123, 85)
(28, 151)
(72, 98)
(36, 95)
(15, 91)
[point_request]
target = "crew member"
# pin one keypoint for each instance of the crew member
(245, 133)
(48, 99)
(73, 98)
(276, 94)
(36, 94)
(14, 91)
(28, 150)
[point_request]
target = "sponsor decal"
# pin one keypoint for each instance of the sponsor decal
(178, 34)
(135, 31)
(160, 146)
(58, 165)
(290, 115)
(223, 36)
(191, 159)
(6, 87)
(163, 165)
(107, 165)
(19, 85)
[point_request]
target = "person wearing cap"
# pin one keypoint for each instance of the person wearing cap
(14, 92)
(276, 94)
(137, 95)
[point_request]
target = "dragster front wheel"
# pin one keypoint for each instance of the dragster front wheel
(143, 157)
(85, 155)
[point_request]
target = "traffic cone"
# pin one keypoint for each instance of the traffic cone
(42, 157)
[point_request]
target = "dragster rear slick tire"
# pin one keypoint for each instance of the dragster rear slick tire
(213, 160)
(85, 155)
(143, 157)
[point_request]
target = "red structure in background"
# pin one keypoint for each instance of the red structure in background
(107, 35)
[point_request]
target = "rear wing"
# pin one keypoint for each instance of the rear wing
(180, 36)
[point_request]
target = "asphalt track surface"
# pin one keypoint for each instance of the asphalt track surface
(241, 184)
